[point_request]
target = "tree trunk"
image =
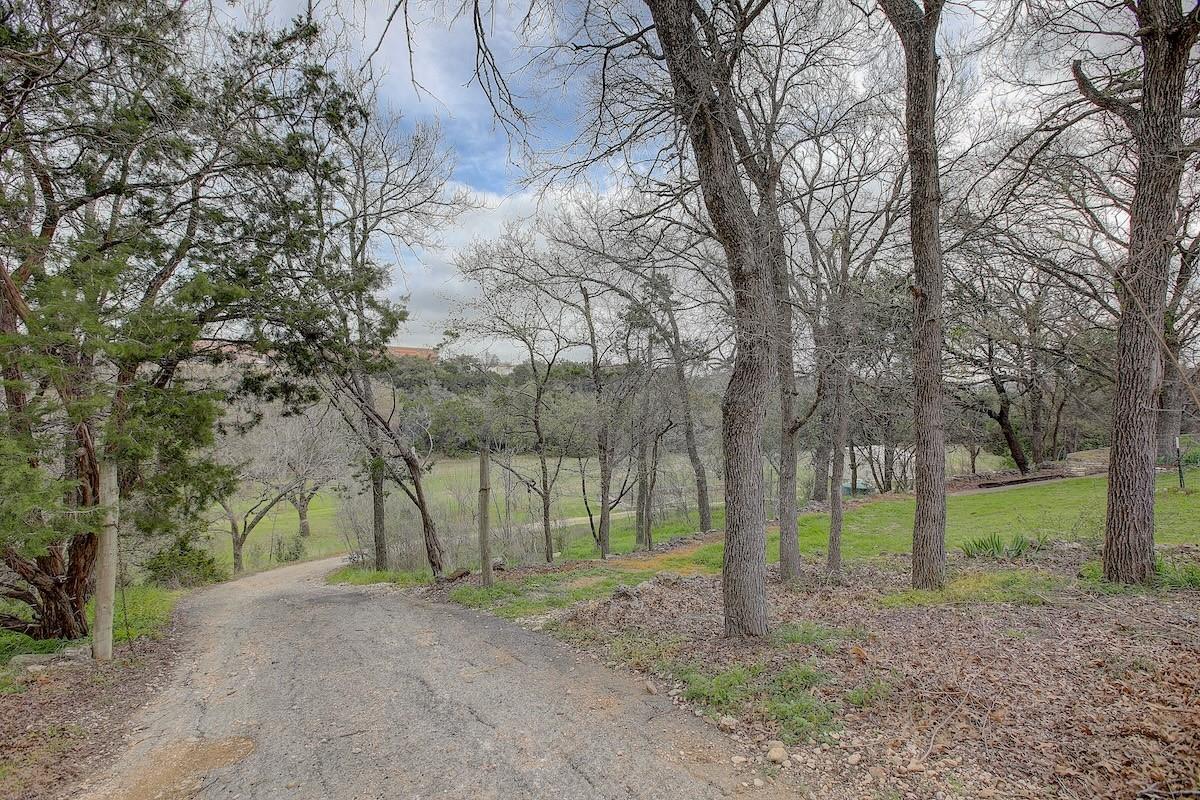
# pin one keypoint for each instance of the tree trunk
(55, 611)
(1170, 402)
(699, 106)
(742, 420)
(642, 514)
(300, 501)
(433, 545)
(379, 515)
(1037, 432)
(889, 465)
(106, 562)
(917, 29)
(543, 467)
(238, 565)
(789, 545)
(649, 537)
(605, 459)
(703, 504)
(853, 467)
(839, 412)
(820, 455)
(1003, 418)
(1167, 37)
(603, 430)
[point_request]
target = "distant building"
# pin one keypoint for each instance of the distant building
(430, 354)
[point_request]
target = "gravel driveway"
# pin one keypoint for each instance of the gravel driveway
(295, 689)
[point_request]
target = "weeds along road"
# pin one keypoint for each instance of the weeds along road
(295, 689)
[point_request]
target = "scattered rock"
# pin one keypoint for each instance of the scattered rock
(758, 783)
(777, 754)
(28, 660)
(739, 759)
(728, 724)
(855, 758)
(651, 688)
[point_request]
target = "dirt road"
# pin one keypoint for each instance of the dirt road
(295, 689)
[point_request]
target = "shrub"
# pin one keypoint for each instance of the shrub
(287, 550)
(1169, 575)
(182, 565)
(1173, 575)
(796, 678)
(872, 693)
(800, 716)
(723, 691)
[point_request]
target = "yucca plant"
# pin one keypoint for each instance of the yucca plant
(985, 546)
(1019, 546)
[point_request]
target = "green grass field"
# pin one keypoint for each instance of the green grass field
(141, 611)
(1064, 510)
(326, 539)
(452, 486)
(1070, 509)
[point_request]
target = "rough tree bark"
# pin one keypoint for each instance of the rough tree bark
(300, 501)
(917, 27)
(378, 515)
(696, 82)
(1166, 37)
(106, 562)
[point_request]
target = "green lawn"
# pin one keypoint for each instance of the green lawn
(141, 611)
(453, 485)
(1067, 510)
(325, 540)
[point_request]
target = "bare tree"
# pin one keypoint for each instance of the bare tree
(509, 309)
(1141, 82)
(916, 24)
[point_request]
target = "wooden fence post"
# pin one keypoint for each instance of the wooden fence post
(485, 490)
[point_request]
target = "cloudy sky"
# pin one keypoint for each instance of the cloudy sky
(434, 81)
